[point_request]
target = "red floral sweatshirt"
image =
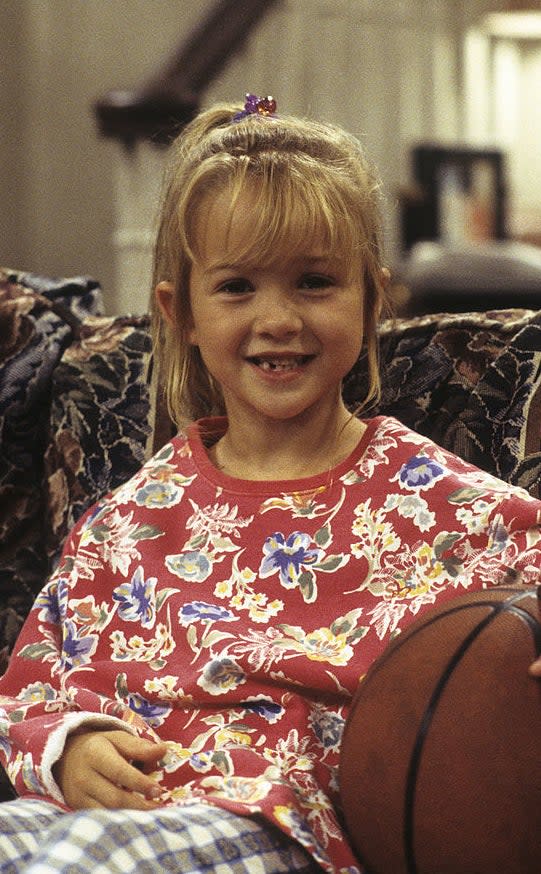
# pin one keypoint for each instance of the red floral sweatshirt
(234, 619)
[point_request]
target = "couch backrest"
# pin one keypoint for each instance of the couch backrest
(471, 382)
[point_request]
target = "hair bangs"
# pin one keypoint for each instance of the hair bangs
(298, 204)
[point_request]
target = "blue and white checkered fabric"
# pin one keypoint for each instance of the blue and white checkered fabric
(38, 838)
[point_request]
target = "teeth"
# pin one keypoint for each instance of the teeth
(280, 365)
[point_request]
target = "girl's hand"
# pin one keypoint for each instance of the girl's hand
(535, 668)
(97, 770)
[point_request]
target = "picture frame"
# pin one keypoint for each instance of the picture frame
(458, 196)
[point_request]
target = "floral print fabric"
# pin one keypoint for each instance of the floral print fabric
(75, 421)
(38, 320)
(100, 419)
(469, 381)
(234, 619)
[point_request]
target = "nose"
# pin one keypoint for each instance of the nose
(277, 315)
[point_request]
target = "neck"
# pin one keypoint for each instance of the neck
(278, 450)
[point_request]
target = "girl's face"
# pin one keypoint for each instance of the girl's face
(279, 336)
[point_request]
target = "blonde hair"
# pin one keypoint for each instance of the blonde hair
(309, 179)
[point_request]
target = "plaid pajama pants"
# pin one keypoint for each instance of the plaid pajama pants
(38, 838)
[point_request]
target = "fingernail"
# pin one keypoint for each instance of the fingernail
(155, 792)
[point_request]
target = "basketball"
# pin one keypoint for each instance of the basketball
(440, 765)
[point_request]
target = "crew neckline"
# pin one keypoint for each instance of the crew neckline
(216, 427)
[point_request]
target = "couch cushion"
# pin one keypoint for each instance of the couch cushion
(38, 319)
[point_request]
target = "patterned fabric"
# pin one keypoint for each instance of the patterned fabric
(38, 320)
(100, 419)
(471, 382)
(75, 420)
(38, 838)
(233, 619)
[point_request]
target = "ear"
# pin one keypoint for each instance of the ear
(165, 298)
(164, 293)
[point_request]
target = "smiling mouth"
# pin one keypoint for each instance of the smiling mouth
(280, 365)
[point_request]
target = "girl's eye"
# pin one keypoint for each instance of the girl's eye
(316, 281)
(236, 286)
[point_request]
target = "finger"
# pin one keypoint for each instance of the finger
(142, 754)
(99, 759)
(535, 668)
(119, 772)
(138, 748)
(150, 759)
(102, 794)
(104, 754)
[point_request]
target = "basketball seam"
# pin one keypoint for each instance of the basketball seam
(413, 770)
(497, 605)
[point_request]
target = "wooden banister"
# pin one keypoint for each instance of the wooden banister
(162, 106)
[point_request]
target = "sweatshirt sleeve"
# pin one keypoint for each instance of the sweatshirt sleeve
(39, 706)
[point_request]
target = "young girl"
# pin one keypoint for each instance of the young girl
(178, 694)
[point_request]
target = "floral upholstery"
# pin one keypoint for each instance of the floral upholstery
(471, 382)
(100, 418)
(74, 421)
(37, 321)
(77, 415)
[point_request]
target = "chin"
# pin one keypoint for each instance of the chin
(291, 415)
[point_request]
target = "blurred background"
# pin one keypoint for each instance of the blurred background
(444, 96)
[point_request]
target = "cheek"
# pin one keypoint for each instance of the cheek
(350, 321)
(199, 323)
(212, 343)
(353, 335)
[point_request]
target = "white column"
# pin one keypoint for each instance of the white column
(138, 176)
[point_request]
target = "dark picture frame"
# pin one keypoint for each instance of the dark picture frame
(459, 195)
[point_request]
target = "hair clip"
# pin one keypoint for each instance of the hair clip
(263, 107)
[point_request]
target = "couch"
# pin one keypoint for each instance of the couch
(79, 411)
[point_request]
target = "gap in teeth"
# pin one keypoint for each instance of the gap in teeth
(278, 365)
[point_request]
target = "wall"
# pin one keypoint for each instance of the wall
(524, 138)
(57, 212)
(502, 83)
(389, 71)
(393, 71)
